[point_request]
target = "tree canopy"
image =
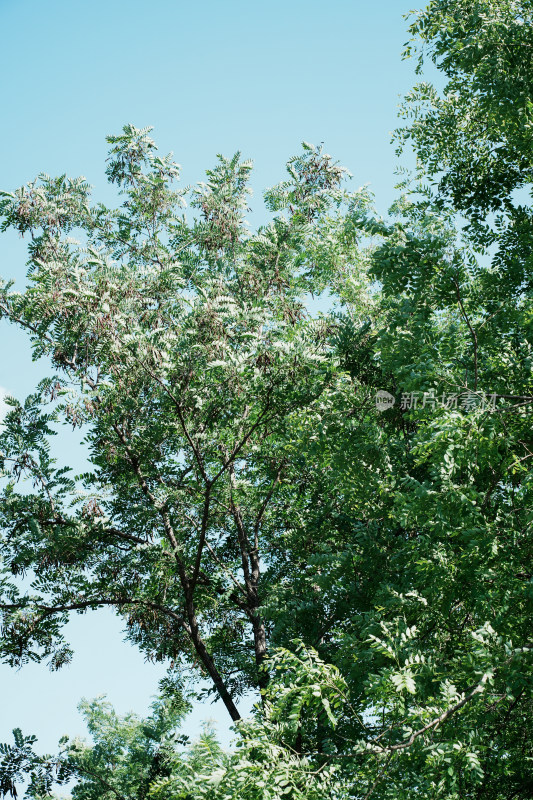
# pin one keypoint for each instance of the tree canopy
(331, 509)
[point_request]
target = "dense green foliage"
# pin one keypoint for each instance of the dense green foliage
(251, 513)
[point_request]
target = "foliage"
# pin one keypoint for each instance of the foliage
(130, 757)
(193, 374)
(250, 512)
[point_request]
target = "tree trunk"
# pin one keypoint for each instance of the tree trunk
(209, 664)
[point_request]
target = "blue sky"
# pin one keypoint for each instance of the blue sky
(210, 77)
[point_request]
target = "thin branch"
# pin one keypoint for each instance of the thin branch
(160, 508)
(378, 778)
(202, 539)
(471, 329)
(196, 451)
(93, 602)
(478, 688)
(231, 458)
(226, 569)
(265, 503)
(242, 536)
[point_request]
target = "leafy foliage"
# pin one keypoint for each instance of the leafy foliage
(250, 512)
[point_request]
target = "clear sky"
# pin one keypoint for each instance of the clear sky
(211, 77)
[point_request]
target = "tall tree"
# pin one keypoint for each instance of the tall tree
(185, 351)
(251, 510)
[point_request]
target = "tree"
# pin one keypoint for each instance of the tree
(195, 359)
(251, 511)
(473, 137)
(130, 757)
(126, 756)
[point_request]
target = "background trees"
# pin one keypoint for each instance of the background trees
(250, 512)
